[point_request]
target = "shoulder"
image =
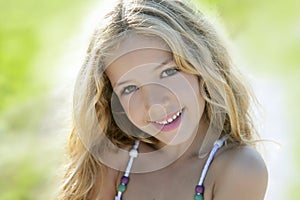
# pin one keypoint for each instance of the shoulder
(241, 157)
(242, 174)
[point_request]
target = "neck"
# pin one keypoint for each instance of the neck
(189, 148)
(165, 155)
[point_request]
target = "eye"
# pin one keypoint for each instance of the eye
(168, 72)
(129, 89)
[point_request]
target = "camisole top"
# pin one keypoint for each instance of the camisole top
(199, 189)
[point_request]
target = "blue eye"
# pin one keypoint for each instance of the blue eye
(129, 89)
(168, 72)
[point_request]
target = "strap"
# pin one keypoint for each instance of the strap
(133, 153)
(217, 145)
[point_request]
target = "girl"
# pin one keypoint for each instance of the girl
(156, 101)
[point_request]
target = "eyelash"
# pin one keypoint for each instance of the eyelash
(128, 88)
(131, 88)
(173, 70)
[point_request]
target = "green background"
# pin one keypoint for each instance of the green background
(42, 45)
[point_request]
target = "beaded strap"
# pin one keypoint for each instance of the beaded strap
(133, 153)
(199, 189)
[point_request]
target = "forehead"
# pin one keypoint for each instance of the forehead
(136, 56)
(134, 43)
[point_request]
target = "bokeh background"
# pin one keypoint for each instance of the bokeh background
(42, 45)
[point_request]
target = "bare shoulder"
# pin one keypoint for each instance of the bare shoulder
(241, 158)
(242, 174)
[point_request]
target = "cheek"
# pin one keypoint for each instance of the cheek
(133, 107)
(186, 87)
(189, 94)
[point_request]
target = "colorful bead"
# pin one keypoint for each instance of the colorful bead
(124, 180)
(198, 197)
(121, 187)
(199, 189)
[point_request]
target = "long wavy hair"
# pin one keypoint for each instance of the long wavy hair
(197, 49)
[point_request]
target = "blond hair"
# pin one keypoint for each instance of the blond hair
(196, 49)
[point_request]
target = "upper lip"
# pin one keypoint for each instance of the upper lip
(168, 116)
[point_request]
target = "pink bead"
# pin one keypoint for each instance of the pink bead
(199, 189)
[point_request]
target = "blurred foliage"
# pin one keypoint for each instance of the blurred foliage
(267, 31)
(26, 29)
(32, 35)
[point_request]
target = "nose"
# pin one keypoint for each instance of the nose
(155, 94)
(157, 100)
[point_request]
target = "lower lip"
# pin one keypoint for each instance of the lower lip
(169, 127)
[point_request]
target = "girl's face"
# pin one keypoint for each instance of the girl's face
(157, 97)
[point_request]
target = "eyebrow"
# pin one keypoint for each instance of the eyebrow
(167, 61)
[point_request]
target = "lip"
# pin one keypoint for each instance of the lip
(169, 127)
(168, 116)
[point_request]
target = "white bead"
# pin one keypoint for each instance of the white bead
(133, 153)
(219, 143)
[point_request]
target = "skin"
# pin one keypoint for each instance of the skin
(149, 87)
(237, 172)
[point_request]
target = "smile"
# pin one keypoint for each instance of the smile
(169, 120)
(170, 123)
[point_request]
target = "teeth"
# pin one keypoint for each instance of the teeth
(172, 118)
